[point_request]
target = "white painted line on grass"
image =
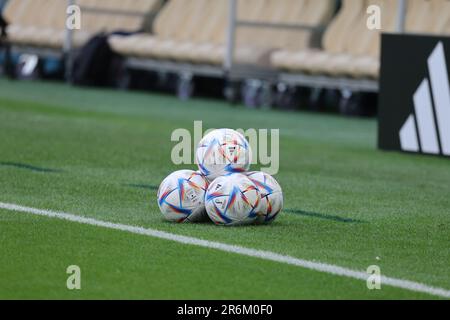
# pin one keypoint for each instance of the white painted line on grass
(266, 255)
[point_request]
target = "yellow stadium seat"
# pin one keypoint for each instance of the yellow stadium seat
(351, 49)
(41, 23)
(335, 39)
(202, 39)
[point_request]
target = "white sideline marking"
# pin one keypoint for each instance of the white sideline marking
(266, 255)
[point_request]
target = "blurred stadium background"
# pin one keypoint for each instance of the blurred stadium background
(286, 54)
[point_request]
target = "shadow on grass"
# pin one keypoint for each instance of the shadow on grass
(278, 222)
(323, 216)
(141, 186)
(28, 167)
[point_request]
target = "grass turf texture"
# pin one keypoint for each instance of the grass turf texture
(101, 153)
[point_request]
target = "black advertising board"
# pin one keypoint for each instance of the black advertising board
(414, 103)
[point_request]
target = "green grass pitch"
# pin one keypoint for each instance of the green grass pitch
(102, 153)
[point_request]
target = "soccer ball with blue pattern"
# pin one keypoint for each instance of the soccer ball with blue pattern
(232, 200)
(271, 196)
(221, 152)
(181, 196)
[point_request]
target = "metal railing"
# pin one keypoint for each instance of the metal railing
(68, 46)
(401, 16)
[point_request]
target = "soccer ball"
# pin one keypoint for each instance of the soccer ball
(271, 196)
(221, 152)
(232, 200)
(181, 196)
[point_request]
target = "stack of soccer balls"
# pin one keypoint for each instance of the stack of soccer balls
(222, 189)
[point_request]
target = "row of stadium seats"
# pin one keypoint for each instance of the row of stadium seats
(200, 36)
(41, 23)
(194, 31)
(349, 48)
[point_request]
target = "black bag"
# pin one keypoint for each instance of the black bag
(3, 25)
(8, 65)
(96, 63)
(91, 65)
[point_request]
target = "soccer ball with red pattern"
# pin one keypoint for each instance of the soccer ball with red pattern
(181, 196)
(221, 152)
(271, 196)
(232, 200)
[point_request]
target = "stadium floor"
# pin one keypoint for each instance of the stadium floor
(101, 154)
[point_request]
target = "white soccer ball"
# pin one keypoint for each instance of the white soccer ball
(232, 200)
(271, 196)
(221, 152)
(181, 196)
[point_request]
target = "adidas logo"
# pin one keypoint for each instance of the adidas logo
(427, 129)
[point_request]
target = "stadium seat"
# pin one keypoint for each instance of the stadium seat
(210, 36)
(41, 23)
(249, 11)
(334, 39)
(33, 30)
(175, 31)
(201, 10)
(191, 41)
(422, 16)
(170, 24)
(338, 38)
(441, 10)
(361, 59)
(351, 49)
(254, 45)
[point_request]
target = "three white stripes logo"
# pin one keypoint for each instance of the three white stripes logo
(427, 129)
